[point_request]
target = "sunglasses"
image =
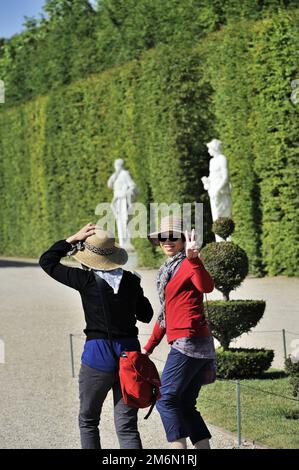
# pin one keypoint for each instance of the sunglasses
(171, 237)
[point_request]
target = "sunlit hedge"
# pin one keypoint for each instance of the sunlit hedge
(57, 152)
(157, 112)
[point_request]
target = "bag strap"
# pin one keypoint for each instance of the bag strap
(106, 310)
(154, 397)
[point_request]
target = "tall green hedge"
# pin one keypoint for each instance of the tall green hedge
(251, 68)
(229, 64)
(23, 180)
(57, 152)
(274, 133)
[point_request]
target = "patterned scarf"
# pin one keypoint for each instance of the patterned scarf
(163, 277)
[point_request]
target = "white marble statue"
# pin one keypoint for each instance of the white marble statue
(124, 189)
(217, 183)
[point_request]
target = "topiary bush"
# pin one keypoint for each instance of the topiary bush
(243, 363)
(292, 368)
(228, 320)
(227, 263)
(224, 227)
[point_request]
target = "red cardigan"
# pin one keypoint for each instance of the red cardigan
(184, 304)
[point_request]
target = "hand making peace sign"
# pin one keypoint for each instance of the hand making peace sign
(191, 247)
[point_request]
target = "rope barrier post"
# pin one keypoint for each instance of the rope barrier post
(72, 355)
(284, 343)
(238, 400)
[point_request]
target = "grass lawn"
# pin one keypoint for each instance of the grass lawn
(262, 414)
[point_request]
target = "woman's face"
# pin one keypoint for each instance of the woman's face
(171, 246)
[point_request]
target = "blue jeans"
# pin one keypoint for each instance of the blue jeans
(181, 382)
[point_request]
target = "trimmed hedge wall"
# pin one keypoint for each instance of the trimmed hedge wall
(228, 66)
(274, 133)
(24, 207)
(57, 152)
(251, 67)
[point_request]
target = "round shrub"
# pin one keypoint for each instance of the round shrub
(243, 363)
(224, 227)
(231, 319)
(227, 263)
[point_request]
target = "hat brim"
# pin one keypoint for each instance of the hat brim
(108, 262)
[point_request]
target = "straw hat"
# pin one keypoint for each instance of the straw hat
(169, 224)
(100, 252)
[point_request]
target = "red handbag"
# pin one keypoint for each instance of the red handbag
(139, 380)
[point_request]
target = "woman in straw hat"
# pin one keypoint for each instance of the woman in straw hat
(181, 282)
(95, 249)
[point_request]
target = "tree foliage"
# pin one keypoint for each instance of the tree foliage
(73, 40)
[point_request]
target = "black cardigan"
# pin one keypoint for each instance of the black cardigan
(126, 307)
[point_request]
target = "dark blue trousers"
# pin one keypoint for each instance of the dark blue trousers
(181, 382)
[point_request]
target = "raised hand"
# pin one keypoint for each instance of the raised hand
(83, 233)
(191, 247)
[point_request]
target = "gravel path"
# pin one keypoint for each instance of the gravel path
(39, 402)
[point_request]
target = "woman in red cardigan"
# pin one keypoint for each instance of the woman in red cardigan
(181, 282)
